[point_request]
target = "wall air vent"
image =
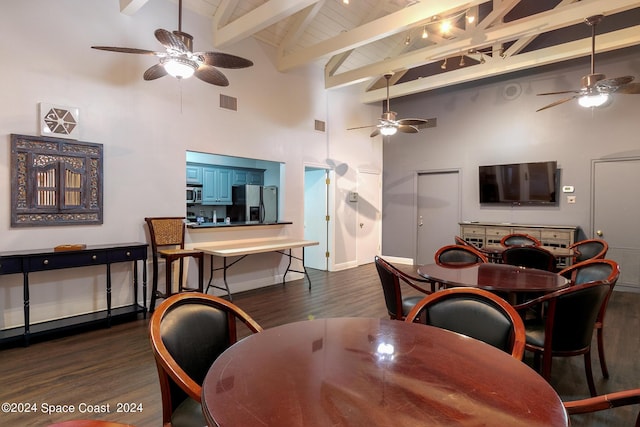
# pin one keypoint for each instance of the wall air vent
(320, 126)
(228, 102)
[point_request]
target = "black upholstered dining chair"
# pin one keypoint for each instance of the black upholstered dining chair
(167, 242)
(475, 313)
(459, 256)
(590, 271)
(391, 279)
(566, 329)
(188, 332)
(519, 239)
(589, 249)
(529, 256)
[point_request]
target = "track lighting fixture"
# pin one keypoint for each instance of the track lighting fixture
(407, 40)
(482, 61)
(424, 32)
(444, 64)
(462, 63)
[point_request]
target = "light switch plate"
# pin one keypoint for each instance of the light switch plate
(567, 189)
(571, 199)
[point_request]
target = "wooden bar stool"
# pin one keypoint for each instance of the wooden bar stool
(167, 242)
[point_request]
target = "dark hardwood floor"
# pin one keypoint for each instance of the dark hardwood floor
(115, 366)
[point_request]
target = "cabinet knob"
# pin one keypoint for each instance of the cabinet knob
(94, 257)
(45, 262)
(128, 253)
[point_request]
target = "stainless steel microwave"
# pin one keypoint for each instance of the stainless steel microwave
(194, 195)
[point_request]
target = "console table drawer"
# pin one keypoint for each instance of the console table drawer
(470, 230)
(128, 254)
(66, 260)
(10, 265)
(556, 235)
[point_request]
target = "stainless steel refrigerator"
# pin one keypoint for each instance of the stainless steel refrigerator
(255, 203)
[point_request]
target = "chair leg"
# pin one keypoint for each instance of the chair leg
(154, 286)
(603, 362)
(589, 373)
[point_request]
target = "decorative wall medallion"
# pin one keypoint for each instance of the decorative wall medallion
(57, 120)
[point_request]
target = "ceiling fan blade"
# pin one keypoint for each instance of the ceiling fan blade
(407, 129)
(376, 132)
(615, 83)
(126, 50)
(412, 122)
(154, 72)
(224, 60)
(210, 74)
(362, 127)
(553, 104)
(630, 89)
(558, 93)
(170, 41)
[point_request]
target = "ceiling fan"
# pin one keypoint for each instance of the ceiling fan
(180, 61)
(595, 88)
(389, 125)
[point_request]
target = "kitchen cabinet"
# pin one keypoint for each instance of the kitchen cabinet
(194, 174)
(216, 186)
(248, 176)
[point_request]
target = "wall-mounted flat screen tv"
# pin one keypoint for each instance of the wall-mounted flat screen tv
(519, 183)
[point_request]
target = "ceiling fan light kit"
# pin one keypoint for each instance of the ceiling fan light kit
(180, 68)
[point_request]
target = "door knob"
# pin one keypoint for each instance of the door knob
(599, 233)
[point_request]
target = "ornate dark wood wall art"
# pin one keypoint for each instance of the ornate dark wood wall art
(55, 181)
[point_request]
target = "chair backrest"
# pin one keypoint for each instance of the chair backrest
(476, 313)
(460, 241)
(589, 249)
(391, 279)
(529, 256)
(459, 256)
(592, 270)
(519, 239)
(605, 401)
(188, 331)
(166, 231)
(571, 315)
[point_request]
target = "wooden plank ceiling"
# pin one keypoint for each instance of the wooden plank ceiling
(364, 39)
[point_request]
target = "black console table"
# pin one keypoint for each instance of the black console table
(26, 262)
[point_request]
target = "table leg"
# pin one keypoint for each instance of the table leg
(25, 289)
(108, 295)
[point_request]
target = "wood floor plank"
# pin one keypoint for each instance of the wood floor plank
(115, 365)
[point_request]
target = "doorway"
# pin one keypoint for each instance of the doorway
(368, 228)
(316, 212)
(613, 217)
(438, 212)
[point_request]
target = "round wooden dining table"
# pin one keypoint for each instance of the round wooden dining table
(495, 277)
(373, 372)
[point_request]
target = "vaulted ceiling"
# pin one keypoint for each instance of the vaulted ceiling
(361, 40)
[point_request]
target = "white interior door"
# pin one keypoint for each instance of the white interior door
(615, 216)
(438, 212)
(315, 217)
(368, 229)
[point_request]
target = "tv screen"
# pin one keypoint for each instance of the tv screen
(519, 183)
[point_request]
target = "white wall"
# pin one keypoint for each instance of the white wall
(146, 128)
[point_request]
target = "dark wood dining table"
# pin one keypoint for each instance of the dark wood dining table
(373, 372)
(495, 277)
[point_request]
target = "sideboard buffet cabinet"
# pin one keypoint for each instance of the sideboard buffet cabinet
(482, 234)
(26, 262)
